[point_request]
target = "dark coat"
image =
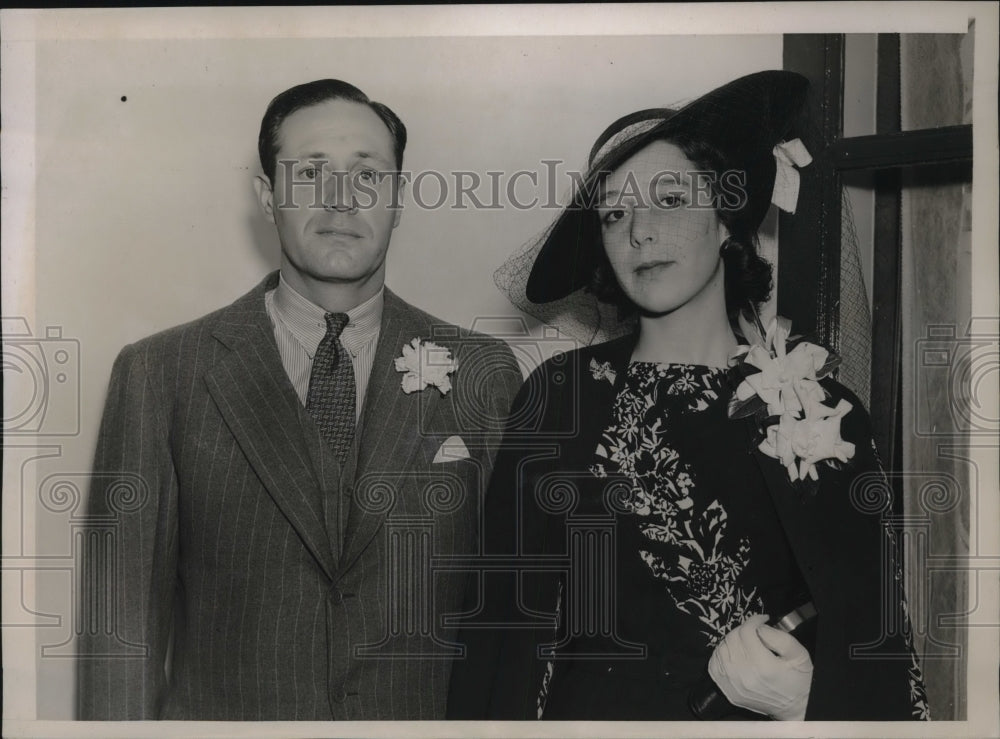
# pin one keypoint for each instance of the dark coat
(848, 559)
(235, 571)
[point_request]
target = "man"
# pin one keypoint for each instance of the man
(270, 482)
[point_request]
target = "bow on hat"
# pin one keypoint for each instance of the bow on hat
(785, 194)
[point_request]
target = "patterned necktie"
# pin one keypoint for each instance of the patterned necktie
(332, 396)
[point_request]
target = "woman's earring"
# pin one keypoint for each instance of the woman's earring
(727, 246)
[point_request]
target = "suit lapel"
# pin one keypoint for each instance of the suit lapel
(392, 425)
(259, 404)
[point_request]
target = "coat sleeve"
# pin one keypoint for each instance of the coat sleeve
(503, 380)
(495, 679)
(865, 666)
(129, 555)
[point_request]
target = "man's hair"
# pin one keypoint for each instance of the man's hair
(314, 93)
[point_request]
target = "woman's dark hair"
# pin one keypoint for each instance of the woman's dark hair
(316, 93)
(749, 278)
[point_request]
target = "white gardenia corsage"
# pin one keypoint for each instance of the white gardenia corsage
(425, 363)
(799, 443)
(785, 383)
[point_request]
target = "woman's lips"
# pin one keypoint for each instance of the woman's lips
(646, 267)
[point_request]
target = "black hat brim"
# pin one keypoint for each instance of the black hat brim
(744, 119)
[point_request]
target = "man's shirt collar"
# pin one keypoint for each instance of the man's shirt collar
(307, 321)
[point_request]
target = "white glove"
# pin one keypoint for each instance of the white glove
(763, 669)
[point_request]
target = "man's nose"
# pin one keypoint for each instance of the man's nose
(644, 228)
(339, 192)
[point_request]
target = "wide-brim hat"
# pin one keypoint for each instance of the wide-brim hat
(742, 120)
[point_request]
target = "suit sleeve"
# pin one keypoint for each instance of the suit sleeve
(504, 382)
(866, 667)
(495, 677)
(128, 559)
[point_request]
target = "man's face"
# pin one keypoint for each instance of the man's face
(332, 197)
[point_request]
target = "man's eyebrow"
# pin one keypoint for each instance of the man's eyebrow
(322, 157)
(371, 155)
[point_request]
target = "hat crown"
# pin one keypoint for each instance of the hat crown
(625, 128)
(743, 119)
(746, 117)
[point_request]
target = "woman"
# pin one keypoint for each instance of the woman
(662, 498)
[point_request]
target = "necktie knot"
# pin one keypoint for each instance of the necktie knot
(335, 323)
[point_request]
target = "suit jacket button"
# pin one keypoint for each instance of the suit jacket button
(336, 596)
(340, 696)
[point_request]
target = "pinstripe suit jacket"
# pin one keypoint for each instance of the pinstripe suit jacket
(234, 571)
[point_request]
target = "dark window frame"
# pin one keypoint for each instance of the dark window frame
(820, 57)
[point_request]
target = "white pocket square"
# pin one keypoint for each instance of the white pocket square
(451, 450)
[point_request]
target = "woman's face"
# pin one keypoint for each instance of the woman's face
(661, 232)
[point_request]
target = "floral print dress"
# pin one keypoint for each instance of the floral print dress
(699, 546)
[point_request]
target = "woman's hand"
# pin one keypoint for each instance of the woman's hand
(763, 669)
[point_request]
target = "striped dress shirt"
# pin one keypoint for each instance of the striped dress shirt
(299, 326)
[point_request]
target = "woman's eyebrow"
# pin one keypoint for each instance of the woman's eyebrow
(671, 177)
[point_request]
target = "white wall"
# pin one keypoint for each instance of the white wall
(145, 215)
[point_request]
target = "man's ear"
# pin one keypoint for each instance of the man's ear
(400, 194)
(265, 196)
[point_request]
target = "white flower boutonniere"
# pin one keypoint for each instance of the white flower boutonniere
(425, 363)
(781, 380)
(602, 371)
